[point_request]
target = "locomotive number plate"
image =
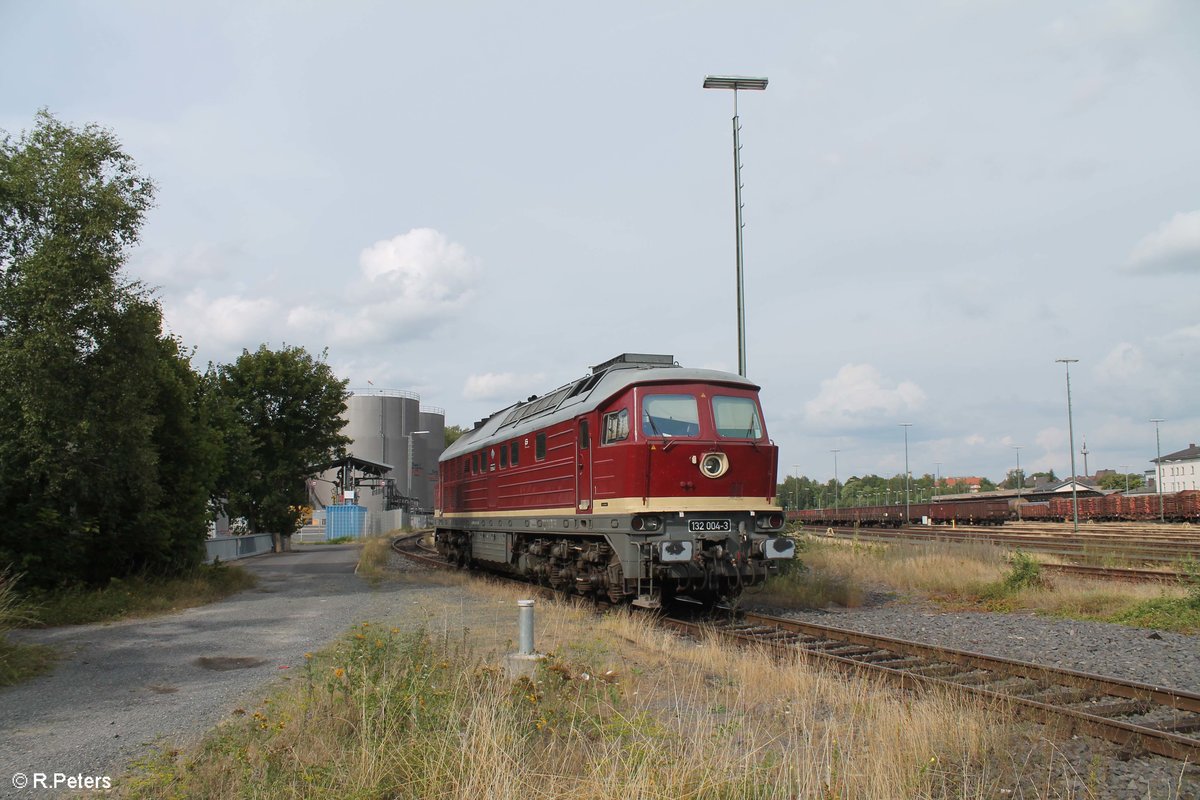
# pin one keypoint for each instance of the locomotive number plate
(709, 526)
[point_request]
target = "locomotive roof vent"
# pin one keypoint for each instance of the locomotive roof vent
(636, 360)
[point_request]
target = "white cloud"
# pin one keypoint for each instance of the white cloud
(225, 324)
(1183, 337)
(170, 269)
(1174, 247)
(859, 395)
(421, 266)
(502, 386)
(406, 287)
(1122, 364)
(1052, 439)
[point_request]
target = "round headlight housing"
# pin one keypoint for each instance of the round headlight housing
(772, 521)
(714, 465)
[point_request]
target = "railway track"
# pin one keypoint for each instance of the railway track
(1138, 717)
(1120, 574)
(413, 547)
(1141, 718)
(1085, 546)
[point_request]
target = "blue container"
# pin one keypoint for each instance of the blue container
(344, 520)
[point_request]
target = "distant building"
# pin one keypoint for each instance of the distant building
(968, 484)
(1176, 472)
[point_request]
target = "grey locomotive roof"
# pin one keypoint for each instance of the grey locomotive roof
(579, 397)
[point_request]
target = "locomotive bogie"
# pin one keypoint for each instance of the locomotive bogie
(686, 553)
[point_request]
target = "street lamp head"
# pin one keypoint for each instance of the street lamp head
(734, 82)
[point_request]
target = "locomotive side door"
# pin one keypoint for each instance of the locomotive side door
(583, 464)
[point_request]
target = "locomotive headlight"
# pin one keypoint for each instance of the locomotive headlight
(769, 521)
(645, 523)
(714, 465)
(675, 551)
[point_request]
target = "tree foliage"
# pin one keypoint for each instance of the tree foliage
(281, 412)
(1118, 480)
(802, 492)
(453, 433)
(105, 461)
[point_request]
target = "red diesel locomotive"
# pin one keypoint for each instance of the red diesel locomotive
(640, 481)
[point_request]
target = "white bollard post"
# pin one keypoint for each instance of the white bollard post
(525, 627)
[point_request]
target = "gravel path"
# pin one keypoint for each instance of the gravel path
(123, 686)
(1154, 657)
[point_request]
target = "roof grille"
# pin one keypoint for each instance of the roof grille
(636, 360)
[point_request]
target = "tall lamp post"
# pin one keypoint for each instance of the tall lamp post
(1020, 480)
(1125, 469)
(836, 493)
(735, 83)
(1071, 432)
(1158, 469)
(906, 426)
(796, 469)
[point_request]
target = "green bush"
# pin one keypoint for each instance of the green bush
(1024, 573)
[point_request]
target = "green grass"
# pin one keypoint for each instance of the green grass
(137, 597)
(1165, 613)
(17, 661)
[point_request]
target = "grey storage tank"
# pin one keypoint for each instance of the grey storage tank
(389, 426)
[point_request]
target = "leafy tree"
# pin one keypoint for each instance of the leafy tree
(1117, 481)
(1012, 479)
(105, 462)
(453, 433)
(283, 414)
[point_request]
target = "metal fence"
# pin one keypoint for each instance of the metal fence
(230, 548)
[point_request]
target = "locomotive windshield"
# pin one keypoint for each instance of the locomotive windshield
(736, 417)
(670, 415)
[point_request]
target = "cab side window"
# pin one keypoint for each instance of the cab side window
(616, 426)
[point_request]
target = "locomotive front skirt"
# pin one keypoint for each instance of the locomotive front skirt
(641, 481)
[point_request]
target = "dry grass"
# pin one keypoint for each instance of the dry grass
(972, 576)
(618, 709)
(373, 560)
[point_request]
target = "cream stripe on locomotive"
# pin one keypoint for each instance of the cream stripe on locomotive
(635, 505)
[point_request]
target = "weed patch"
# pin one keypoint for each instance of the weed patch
(372, 561)
(801, 587)
(18, 661)
(137, 597)
(1180, 614)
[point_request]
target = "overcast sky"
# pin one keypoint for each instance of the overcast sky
(478, 201)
